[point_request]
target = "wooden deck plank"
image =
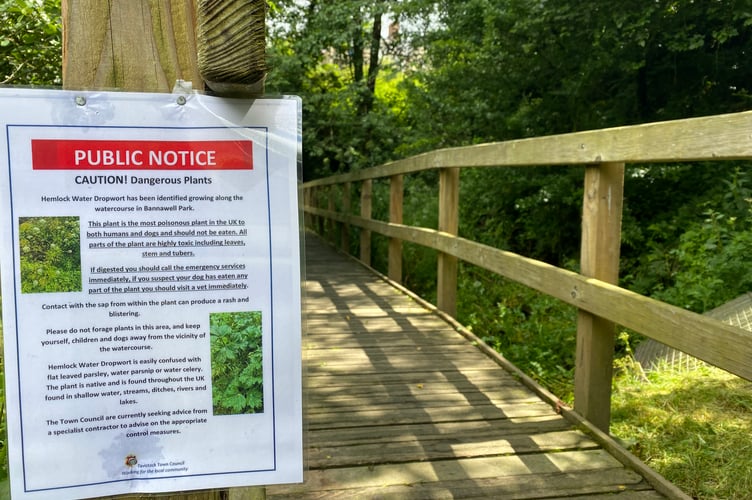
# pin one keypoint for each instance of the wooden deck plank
(364, 453)
(400, 405)
(515, 472)
(450, 431)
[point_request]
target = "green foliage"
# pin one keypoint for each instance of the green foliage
(498, 69)
(237, 362)
(514, 209)
(328, 53)
(693, 253)
(50, 254)
(712, 263)
(30, 42)
(532, 330)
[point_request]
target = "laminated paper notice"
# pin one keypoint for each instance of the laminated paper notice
(150, 292)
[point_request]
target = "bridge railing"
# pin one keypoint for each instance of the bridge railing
(594, 291)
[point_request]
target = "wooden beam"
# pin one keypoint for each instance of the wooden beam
(599, 258)
(346, 208)
(330, 226)
(320, 222)
(307, 217)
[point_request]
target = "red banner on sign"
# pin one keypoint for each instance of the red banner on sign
(58, 154)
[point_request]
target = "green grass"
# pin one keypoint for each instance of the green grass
(695, 428)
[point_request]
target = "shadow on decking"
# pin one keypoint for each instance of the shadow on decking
(398, 403)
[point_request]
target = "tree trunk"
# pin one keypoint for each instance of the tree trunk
(375, 54)
(358, 61)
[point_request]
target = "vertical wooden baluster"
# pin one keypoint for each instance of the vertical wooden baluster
(307, 217)
(366, 198)
(449, 194)
(396, 193)
(346, 207)
(331, 225)
(317, 203)
(601, 240)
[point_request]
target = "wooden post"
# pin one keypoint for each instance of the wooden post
(316, 197)
(231, 46)
(346, 207)
(366, 197)
(396, 192)
(601, 241)
(331, 226)
(140, 46)
(307, 217)
(449, 197)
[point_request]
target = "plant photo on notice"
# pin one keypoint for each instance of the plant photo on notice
(237, 363)
(50, 253)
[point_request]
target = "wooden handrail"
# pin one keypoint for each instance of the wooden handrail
(720, 137)
(601, 303)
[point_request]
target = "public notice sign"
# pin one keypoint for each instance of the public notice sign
(150, 292)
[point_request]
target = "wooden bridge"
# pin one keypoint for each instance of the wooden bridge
(402, 403)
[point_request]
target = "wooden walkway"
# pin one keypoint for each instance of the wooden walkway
(399, 405)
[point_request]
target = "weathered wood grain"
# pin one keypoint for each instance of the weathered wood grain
(366, 208)
(620, 485)
(517, 471)
(602, 206)
(346, 208)
(423, 449)
(396, 194)
(139, 45)
(232, 46)
(450, 431)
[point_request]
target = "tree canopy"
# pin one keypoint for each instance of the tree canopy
(456, 72)
(481, 70)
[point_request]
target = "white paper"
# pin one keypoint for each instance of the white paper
(123, 361)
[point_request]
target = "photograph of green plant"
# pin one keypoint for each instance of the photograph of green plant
(237, 362)
(50, 254)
